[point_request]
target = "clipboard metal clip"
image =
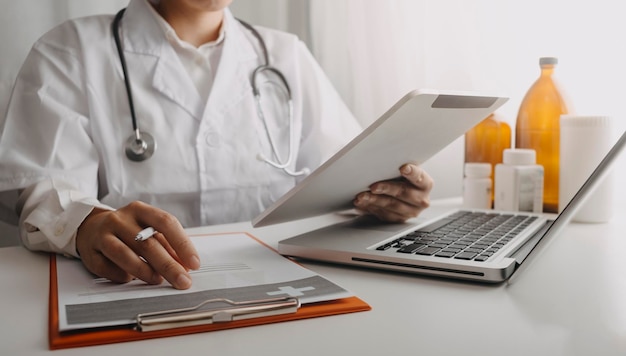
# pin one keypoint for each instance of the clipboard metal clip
(200, 315)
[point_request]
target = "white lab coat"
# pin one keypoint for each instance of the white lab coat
(68, 118)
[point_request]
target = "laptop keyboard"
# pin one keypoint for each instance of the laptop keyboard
(463, 235)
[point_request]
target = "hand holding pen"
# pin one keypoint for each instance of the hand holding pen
(117, 245)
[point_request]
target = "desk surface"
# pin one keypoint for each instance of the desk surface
(571, 301)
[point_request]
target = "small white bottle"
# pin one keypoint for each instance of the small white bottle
(477, 186)
(519, 182)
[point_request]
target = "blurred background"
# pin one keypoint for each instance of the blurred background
(375, 51)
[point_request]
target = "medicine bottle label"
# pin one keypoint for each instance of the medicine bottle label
(530, 190)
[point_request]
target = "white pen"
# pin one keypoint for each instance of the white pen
(145, 234)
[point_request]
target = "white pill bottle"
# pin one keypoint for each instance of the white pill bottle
(519, 182)
(477, 186)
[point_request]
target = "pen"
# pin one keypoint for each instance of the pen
(145, 234)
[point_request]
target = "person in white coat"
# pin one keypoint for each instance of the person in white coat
(190, 64)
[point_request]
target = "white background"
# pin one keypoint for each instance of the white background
(374, 51)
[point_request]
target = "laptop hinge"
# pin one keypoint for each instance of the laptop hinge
(524, 250)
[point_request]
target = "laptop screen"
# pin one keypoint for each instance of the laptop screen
(596, 177)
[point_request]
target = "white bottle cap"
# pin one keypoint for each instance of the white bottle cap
(519, 156)
(478, 170)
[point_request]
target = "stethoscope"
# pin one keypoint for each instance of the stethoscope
(140, 145)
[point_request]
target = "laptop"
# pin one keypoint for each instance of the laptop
(478, 245)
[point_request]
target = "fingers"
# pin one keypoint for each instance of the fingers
(398, 200)
(171, 229)
(162, 262)
(417, 177)
(118, 258)
(100, 265)
(169, 253)
(388, 208)
(106, 243)
(385, 208)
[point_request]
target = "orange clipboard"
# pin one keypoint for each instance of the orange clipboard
(110, 335)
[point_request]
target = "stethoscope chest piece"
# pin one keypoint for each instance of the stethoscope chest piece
(140, 147)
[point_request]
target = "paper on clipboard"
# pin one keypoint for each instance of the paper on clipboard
(234, 267)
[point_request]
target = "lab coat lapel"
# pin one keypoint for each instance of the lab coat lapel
(145, 37)
(171, 80)
(238, 60)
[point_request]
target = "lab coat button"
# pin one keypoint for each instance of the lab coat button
(59, 229)
(212, 138)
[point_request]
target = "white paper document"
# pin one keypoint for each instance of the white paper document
(234, 266)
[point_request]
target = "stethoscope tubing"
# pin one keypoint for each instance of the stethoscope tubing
(120, 53)
(141, 145)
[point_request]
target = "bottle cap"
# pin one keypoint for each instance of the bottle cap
(548, 60)
(477, 170)
(519, 156)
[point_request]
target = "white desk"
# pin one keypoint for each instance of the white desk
(572, 301)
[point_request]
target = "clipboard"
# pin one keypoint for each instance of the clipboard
(194, 319)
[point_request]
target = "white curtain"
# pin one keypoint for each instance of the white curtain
(377, 50)
(21, 24)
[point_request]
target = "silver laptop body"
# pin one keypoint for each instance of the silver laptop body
(357, 241)
(367, 242)
(360, 241)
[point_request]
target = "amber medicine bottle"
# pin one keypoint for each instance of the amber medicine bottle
(537, 128)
